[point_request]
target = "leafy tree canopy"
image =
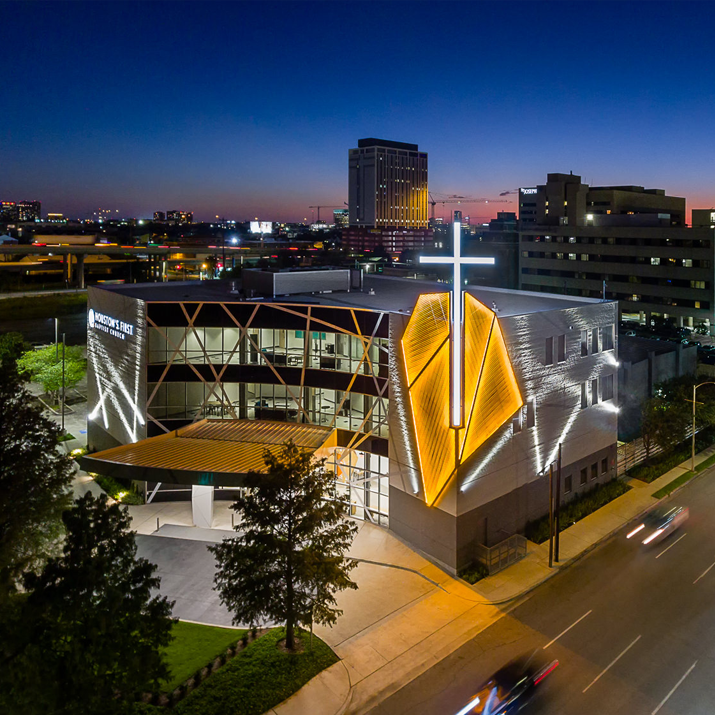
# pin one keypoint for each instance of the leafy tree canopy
(92, 634)
(12, 346)
(287, 562)
(35, 479)
(45, 366)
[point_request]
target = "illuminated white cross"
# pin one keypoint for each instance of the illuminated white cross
(456, 333)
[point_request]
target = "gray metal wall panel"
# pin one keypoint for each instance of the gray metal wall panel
(116, 368)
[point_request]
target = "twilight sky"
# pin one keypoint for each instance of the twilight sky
(248, 109)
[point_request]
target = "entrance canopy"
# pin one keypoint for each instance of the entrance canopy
(209, 452)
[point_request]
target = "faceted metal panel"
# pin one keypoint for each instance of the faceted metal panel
(427, 329)
(490, 395)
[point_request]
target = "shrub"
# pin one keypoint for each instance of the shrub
(583, 505)
(475, 572)
(120, 490)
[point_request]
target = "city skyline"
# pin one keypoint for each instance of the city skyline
(253, 112)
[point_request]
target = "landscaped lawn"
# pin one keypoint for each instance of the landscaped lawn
(195, 646)
(258, 678)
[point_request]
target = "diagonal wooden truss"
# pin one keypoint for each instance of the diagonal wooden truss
(216, 385)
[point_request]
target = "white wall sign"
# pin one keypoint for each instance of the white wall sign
(528, 191)
(113, 326)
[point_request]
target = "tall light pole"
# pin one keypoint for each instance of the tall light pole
(692, 443)
(63, 382)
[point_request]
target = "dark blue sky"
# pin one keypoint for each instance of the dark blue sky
(249, 109)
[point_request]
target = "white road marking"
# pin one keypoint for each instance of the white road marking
(675, 687)
(704, 573)
(671, 546)
(611, 664)
(566, 631)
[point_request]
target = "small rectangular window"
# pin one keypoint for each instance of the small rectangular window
(594, 471)
(594, 392)
(530, 414)
(567, 485)
(584, 476)
(607, 338)
(594, 341)
(604, 465)
(561, 348)
(516, 423)
(606, 388)
(549, 353)
(584, 343)
(584, 395)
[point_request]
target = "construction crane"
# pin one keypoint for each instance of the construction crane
(324, 207)
(455, 199)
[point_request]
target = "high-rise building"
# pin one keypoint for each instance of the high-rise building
(564, 201)
(29, 211)
(159, 216)
(626, 241)
(180, 216)
(387, 185)
(8, 211)
(341, 218)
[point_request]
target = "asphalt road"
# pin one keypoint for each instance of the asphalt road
(42, 330)
(633, 628)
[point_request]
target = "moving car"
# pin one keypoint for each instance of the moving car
(660, 522)
(511, 687)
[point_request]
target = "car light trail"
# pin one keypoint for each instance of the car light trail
(550, 669)
(635, 531)
(473, 704)
(654, 535)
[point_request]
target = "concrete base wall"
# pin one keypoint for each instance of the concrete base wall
(451, 541)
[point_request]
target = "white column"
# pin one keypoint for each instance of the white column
(202, 506)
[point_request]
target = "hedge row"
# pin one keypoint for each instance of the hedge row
(579, 507)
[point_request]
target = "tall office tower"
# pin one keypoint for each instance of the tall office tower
(29, 211)
(387, 185)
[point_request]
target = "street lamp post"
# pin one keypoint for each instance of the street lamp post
(692, 438)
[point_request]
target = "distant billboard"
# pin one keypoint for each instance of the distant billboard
(261, 227)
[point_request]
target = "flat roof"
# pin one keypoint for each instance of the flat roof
(383, 293)
(635, 349)
(212, 452)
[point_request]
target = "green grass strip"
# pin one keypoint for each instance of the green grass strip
(258, 678)
(42, 306)
(194, 646)
(683, 478)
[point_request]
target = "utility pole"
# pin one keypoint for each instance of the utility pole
(63, 383)
(57, 344)
(551, 515)
(558, 506)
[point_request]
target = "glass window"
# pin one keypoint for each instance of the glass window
(607, 338)
(530, 413)
(604, 465)
(549, 354)
(606, 387)
(584, 395)
(594, 471)
(594, 341)
(584, 476)
(567, 485)
(594, 392)
(561, 348)
(584, 343)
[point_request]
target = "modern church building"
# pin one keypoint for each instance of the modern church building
(189, 383)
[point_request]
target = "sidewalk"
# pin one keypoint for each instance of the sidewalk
(439, 614)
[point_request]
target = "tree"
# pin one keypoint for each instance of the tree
(92, 634)
(45, 366)
(35, 480)
(287, 563)
(664, 423)
(12, 346)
